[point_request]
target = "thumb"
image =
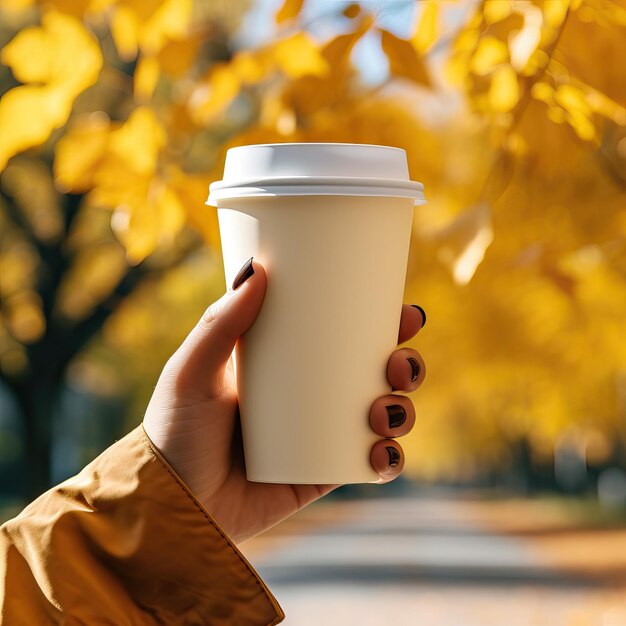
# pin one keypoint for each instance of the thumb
(199, 365)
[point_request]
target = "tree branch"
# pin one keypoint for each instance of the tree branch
(69, 341)
(16, 217)
(5, 380)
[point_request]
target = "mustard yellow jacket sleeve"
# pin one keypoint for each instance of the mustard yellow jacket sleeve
(125, 542)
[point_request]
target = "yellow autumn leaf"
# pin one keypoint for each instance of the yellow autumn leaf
(404, 60)
(578, 111)
(425, 34)
(504, 91)
(146, 78)
(212, 95)
(28, 115)
(554, 11)
(125, 32)
(351, 11)
(556, 114)
(538, 61)
(338, 49)
(125, 175)
(154, 221)
(490, 53)
(583, 126)
(288, 10)
(139, 141)
(170, 214)
(64, 56)
(60, 51)
(80, 151)
(299, 55)
(115, 184)
(28, 55)
(148, 25)
(542, 91)
(249, 67)
(192, 191)
(496, 10)
(177, 56)
(457, 64)
(136, 230)
(171, 20)
(572, 99)
(147, 211)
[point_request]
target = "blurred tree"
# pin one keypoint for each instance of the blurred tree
(63, 273)
(122, 116)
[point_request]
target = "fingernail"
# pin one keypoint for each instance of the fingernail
(244, 273)
(415, 368)
(397, 415)
(394, 456)
(419, 308)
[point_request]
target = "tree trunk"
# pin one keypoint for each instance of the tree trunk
(37, 401)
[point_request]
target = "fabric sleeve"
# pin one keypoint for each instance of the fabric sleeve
(125, 542)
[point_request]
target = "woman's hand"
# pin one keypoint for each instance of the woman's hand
(193, 416)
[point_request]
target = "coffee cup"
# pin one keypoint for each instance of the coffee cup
(331, 224)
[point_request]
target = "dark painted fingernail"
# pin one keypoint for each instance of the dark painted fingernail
(415, 368)
(244, 273)
(394, 456)
(419, 308)
(397, 415)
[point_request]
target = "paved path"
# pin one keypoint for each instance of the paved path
(412, 562)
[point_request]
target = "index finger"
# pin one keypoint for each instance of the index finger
(412, 320)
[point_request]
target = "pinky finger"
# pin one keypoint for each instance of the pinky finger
(387, 459)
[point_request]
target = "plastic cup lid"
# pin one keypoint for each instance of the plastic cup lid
(294, 169)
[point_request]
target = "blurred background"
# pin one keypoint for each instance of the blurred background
(116, 115)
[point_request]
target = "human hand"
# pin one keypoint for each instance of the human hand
(193, 415)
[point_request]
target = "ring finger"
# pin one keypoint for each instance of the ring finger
(392, 416)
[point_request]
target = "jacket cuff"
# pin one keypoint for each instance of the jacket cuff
(213, 566)
(150, 554)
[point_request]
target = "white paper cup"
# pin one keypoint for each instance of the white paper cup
(331, 224)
